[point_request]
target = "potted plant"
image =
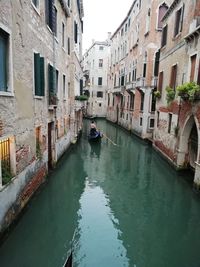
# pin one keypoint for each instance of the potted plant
(157, 94)
(81, 97)
(189, 91)
(170, 94)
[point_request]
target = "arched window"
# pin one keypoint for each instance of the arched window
(161, 12)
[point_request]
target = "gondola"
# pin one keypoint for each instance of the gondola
(68, 262)
(95, 136)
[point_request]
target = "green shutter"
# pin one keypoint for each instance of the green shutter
(42, 77)
(37, 73)
(3, 60)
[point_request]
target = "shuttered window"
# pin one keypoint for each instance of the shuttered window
(39, 76)
(4, 43)
(51, 15)
(52, 84)
(172, 83)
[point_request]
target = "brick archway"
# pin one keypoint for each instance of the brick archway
(183, 149)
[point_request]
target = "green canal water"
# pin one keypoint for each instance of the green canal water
(123, 206)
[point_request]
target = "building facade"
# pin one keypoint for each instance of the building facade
(40, 74)
(95, 67)
(177, 120)
(134, 66)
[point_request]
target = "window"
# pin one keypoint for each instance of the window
(113, 100)
(151, 123)
(156, 64)
(35, 3)
(158, 118)
(198, 75)
(100, 63)
(147, 28)
(68, 3)
(160, 81)
(108, 100)
(50, 11)
(122, 80)
(101, 47)
(172, 83)
(52, 84)
(39, 77)
(132, 99)
(63, 34)
(100, 80)
(164, 36)
(64, 86)
(55, 21)
(161, 12)
(75, 32)
(169, 122)
(140, 121)
(100, 94)
(193, 65)
(99, 104)
(4, 45)
(142, 101)
(68, 46)
(178, 21)
(144, 69)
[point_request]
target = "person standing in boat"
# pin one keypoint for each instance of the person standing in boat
(93, 128)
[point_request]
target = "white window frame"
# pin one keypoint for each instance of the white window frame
(10, 91)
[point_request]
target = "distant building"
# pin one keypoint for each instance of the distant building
(95, 67)
(40, 74)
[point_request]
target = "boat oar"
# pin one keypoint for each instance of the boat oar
(110, 140)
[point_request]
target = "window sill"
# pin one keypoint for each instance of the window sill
(38, 97)
(35, 8)
(9, 94)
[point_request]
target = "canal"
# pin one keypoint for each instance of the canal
(122, 205)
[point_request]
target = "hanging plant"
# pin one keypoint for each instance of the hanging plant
(170, 94)
(189, 91)
(81, 97)
(157, 94)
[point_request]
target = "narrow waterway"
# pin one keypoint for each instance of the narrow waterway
(123, 204)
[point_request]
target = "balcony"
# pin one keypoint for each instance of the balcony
(140, 82)
(154, 82)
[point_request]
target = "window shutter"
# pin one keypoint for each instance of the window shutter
(182, 15)
(42, 77)
(3, 60)
(37, 73)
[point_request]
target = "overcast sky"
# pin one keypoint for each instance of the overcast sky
(101, 17)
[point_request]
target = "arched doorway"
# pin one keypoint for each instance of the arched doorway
(193, 146)
(188, 145)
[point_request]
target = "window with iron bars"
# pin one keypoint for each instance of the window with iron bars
(5, 161)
